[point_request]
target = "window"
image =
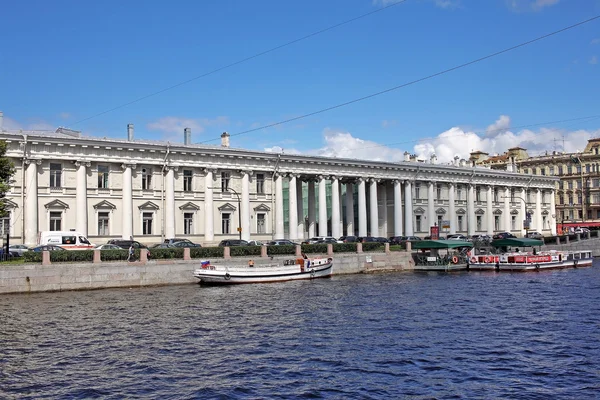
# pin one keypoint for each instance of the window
(260, 184)
(477, 193)
(496, 223)
(551, 168)
(55, 220)
(439, 220)
(459, 223)
(225, 176)
(187, 180)
(102, 176)
(570, 185)
(439, 191)
(417, 192)
(260, 223)
(478, 221)
(496, 197)
(570, 169)
(459, 192)
(147, 223)
(512, 195)
(561, 200)
(596, 198)
(578, 184)
(513, 222)
(580, 214)
(146, 179)
(69, 239)
(103, 218)
(543, 171)
(560, 170)
(4, 226)
(418, 223)
(571, 199)
(225, 223)
(528, 196)
(55, 175)
(588, 168)
(188, 223)
(578, 168)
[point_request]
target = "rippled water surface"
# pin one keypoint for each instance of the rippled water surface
(403, 335)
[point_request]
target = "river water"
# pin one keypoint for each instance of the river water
(383, 336)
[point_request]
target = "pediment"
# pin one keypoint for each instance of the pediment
(189, 206)
(262, 207)
(57, 204)
(148, 206)
(440, 211)
(105, 204)
(419, 210)
(514, 212)
(461, 211)
(479, 212)
(227, 207)
(497, 212)
(9, 203)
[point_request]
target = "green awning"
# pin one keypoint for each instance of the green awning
(440, 244)
(517, 242)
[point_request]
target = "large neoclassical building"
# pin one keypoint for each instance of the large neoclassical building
(149, 190)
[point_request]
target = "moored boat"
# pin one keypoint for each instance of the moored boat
(286, 270)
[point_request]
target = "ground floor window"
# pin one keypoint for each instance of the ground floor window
(478, 221)
(4, 225)
(439, 221)
(260, 223)
(188, 223)
(418, 223)
(459, 223)
(103, 218)
(513, 222)
(544, 221)
(55, 220)
(225, 223)
(147, 223)
(496, 223)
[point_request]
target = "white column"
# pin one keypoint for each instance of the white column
(397, 208)
(299, 210)
(245, 205)
(209, 228)
(523, 213)
(293, 208)
(349, 209)
(170, 203)
(408, 209)
(362, 208)
(322, 206)
(538, 211)
(31, 202)
(279, 229)
(452, 207)
(312, 209)
(471, 210)
(431, 220)
(81, 197)
(552, 213)
(373, 204)
(489, 211)
(341, 210)
(335, 207)
(383, 227)
(507, 216)
(127, 231)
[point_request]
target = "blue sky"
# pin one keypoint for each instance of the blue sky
(63, 61)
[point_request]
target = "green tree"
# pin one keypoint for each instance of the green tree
(7, 170)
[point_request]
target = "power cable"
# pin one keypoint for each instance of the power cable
(411, 82)
(243, 60)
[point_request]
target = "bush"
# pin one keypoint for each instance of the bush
(281, 250)
(206, 252)
(168, 253)
(372, 246)
(32, 256)
(238, 251)
(72, 255)
(344, 248)
(314, 248)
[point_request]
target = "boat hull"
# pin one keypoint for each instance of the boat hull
(229, 275)
(544, 261)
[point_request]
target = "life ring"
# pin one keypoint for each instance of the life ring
(487, 259)
(454, 260)
(227, 276)
(473, 260)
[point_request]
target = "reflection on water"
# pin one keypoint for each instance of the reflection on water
(459, 335)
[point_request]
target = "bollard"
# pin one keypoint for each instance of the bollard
(408, 246)
(329, 249)
(263, 251)
(186, 253)
(46, 257)
(387, 248)
(558, 240)
(359, 247)
(226, 252)
(298, 250)
(143, 256)
(97, 258)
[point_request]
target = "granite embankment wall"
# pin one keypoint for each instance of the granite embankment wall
(592, 244)
(26, 278)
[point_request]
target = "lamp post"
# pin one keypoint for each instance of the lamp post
(239, 211)
(526, 220)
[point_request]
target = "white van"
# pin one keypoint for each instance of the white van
(69, 240)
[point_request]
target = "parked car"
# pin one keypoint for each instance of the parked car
(233, 242)
(255, 243)
(162, 246)
(457, 236)
(281, 242)
(403, 239)
(381, 239)
(367, 239)
(185, 243)
(176, 240)
(107, 246)
(534, 235)
(348, 239)
(125, 244)
(321, 239)
(17, 250)
(582, 230)
(47, 247)
(503, 235)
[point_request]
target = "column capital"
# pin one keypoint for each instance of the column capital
(248, 172)
(128, 165)
(323, 177)
(211, 170)
(293, 175)
(86, 164)
(334, 178)
(33, 161)
(374, 180)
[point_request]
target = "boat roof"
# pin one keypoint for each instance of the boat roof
(513, 242)
(440, 244)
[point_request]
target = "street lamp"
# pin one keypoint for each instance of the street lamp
(526, 221)
(239, 211)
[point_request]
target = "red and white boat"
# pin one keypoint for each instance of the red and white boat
(531, 261)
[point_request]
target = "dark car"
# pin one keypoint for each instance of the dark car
(185, 243)
(367, 239)
(349, 239)
(177, 240)
(381, 239)
(125, 244)
(403, 239)
(233, 242)
(534, 235)
(162, 246)
(504, 235)
(281, 242)
(47, 247)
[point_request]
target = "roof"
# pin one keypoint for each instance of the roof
(514, 242)
(440, 244)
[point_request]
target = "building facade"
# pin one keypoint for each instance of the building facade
(122, 188)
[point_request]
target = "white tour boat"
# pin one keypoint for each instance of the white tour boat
(286, 270)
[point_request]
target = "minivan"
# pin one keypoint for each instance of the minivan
(69, 240)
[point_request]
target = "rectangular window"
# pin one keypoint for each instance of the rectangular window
(496, 196)
(439, 220)
(588, 168)
(225, 223)
(551, 168)
(4, 226)
(496, 223)
(147, 223)
(528, 196)
(55, 175)
(477, 193)
(459, 223)
(596, 198)
(260, 183)
(260, 223)
(478, 219)
(103, 218)
(589, 214)
(580, 214)
(561, 200)
(439, 191)
(187, 180)
(188, 223)
(417, 193)
(418, 223)
(102, 176)
(55, 220)
(560, 170)
(578, 168)
(513, 222)
(570, 185)
(571, 199)
(146, 178)
(225, 176)
(542, 171)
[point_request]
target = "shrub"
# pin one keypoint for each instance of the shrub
(206, 252)
(168, 253)
(372, 246)
(344, 248)
(314, 248)
(281, 250)
(238, 251)
(115, 255)
(32, 256)
(71, 255)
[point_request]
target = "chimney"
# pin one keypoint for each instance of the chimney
(462, 162)
(433, 159)
(225, 139)
(456, 162)
(130, 132)
(187, 136)
(1, 120)
(406, 156)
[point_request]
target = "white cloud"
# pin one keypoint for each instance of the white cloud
(593, 60)
(344, 145)
(595, 41)
(501, 124)
(529, 5)
(282, 150)
(172, 127)
(35, 125)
